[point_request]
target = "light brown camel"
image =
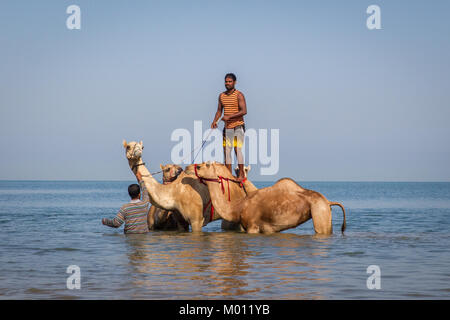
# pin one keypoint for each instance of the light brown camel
(233, 190)
(237, 190)
(281, 206)
(160, 219)
(248, 188)
(186, 194)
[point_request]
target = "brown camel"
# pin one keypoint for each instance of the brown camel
(237, 190)
(186, 193)
(248, 188)
(281, 206)
(159, 219)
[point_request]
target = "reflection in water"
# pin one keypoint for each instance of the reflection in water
(176, 265)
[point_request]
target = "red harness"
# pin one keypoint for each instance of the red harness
(220, 180)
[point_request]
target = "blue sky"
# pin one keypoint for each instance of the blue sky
(351, 104)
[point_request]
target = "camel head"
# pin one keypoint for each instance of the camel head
(170, 172)
(215, 169)
(206, 170)
(133, 150)
(246, 170)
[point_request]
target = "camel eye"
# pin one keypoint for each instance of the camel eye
(167, 170)
(128, 147)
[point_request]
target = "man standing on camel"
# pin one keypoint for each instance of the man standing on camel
(232, 103)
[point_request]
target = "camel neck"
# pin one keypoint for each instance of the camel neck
(249, 186)
(219, 198)
(160, 195)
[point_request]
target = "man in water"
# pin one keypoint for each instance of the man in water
(232, 103)
(133, 213)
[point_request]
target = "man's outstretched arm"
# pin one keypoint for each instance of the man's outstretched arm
(116, 222)
(144, 193)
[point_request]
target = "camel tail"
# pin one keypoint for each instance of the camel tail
(344, 224)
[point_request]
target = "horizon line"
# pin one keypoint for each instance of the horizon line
(120, 180)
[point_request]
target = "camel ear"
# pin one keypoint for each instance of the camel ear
(248, 168)
(141, 143)
(161, 166)
(124, 143)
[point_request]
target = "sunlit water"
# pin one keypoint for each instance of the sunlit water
(401, 227)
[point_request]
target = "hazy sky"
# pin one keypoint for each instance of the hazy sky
(350, 103)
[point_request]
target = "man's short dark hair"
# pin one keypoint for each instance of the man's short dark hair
(230, 75)
(134, 190)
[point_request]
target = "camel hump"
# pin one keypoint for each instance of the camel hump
(289, 181)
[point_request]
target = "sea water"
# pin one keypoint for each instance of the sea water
(401, 228)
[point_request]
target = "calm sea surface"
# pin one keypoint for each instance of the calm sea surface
(404, 228)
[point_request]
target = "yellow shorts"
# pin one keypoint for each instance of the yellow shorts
(233, 137)
(236, 143)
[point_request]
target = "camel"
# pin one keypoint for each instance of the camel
(186, 193)
(281, 206)
(159, 219)
(248, 188)
(238, 194)
(234, 187)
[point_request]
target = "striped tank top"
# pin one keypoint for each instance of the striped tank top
(230, 106)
